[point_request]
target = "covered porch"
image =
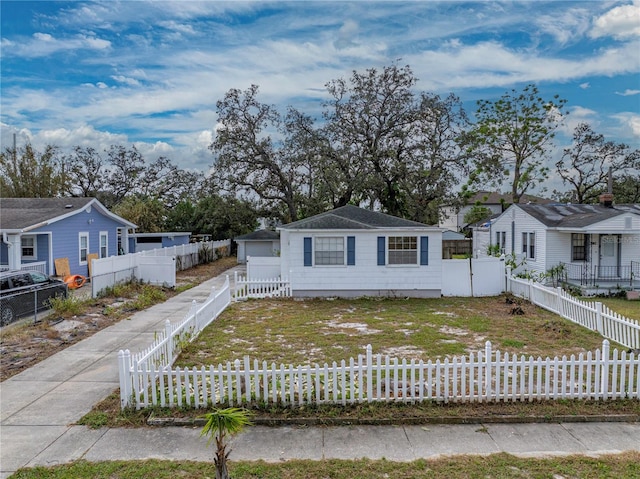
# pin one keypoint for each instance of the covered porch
(589, 276)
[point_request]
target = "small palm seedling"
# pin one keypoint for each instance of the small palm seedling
(220, 424)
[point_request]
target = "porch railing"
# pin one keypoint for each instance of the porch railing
(591, 275)
(40, 266)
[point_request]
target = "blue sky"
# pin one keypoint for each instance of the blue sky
(150, 73)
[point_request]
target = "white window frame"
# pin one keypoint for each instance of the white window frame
(529, 244)
(105, 235)
(81, 235)
(34, 238)
(402, 251)
(318, 248)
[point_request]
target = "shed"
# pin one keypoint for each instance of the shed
(258, 243)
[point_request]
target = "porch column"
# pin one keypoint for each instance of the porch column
(14, 251)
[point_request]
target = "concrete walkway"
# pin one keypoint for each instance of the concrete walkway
(38, 406)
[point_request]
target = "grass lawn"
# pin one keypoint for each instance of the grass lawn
(623, 466)
(628, 309)
(316, 331)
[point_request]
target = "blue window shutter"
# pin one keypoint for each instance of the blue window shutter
(381, 248)
(351, 250)
(307, 252)
(424, 250)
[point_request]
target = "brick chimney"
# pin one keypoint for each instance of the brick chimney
(606, 200)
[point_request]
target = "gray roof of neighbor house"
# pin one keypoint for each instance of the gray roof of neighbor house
(351, 217)
(576, 216)
(260, 235)
(24, 214)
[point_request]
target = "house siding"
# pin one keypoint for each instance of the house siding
(66, 237)
(366, 277)
(524, 222)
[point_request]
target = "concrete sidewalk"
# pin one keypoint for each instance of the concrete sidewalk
(38, 406)
(394, 443)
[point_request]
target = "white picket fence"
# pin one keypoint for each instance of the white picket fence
(592, 315)
(486, 377)
(168, 344)
(156, 266)
(246, 288)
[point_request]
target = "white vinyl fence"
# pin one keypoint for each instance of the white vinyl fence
(473, 277)
(592, 315)
(191, 254)
(157, 266)
(489, 376)
(168, 345)
(246, 288)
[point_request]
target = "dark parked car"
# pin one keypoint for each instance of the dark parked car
(23, 291)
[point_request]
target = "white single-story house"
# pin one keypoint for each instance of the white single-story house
(452, 217)
(593, 243)
(258, 243)
(352, 252)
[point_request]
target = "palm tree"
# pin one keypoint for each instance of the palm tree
(220, 423)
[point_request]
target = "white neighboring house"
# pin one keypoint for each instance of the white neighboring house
(259, 243)
(352, 252)
(596, 244)
(452, 217)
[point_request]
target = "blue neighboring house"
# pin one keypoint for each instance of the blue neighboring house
(36, 231)
(147, 241)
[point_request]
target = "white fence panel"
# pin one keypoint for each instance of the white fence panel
(263, 267)
(488, 376)
(159, 270)
(593, 315)
(488, 277)
(246, 288)
(138, 371)
(106, 272)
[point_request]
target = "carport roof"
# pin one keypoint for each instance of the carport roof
(260, 235)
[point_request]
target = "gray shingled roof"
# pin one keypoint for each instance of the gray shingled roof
(21, 213)
(260, 235)
(576, 216)
(351, 217)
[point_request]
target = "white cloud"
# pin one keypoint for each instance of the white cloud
(125, 80)
(628, 92)
(564, 26)
(585, 85)
(577, 115)
(44, 44)
(629, 123)
(619, 22)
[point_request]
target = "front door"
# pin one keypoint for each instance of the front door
(609, 256)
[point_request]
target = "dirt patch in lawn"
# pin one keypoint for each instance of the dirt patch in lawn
(26, 343)
(294, 332)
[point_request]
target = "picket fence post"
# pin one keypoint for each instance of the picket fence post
(560, 302)
(599, 327)
(167, 332)
(124, 366)
(369, 374)
(487, 366)
(604, 373)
